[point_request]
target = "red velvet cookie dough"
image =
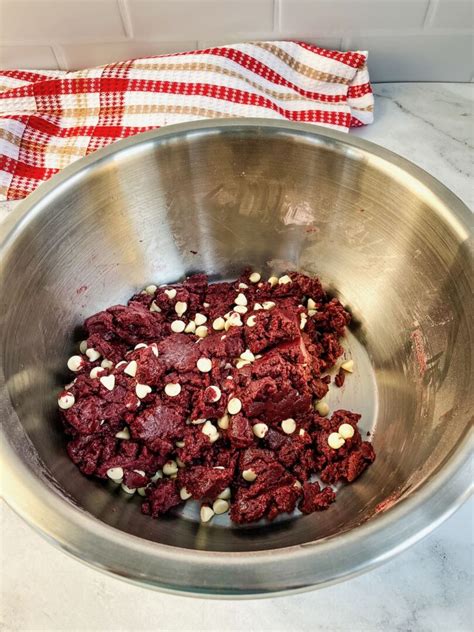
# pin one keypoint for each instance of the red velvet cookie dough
(211, 393)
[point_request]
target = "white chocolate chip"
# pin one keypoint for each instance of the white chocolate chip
(154, 307)
(247, 355)
(208, 428)
(170, 293)
(140, 345)
(172, 390)
(180, 307)
(150, 289)
(198, 422)
(108, 381)
(213, 438)
(157, 475)
(225, 494)
(312, 312)
(200, 319)
(180, 463)
(83, 346)
(335, 441)
(107, 364)
(243, 286)
(258, 356)
(311, 304)
(303, 320)
(234, 405)
(251, 321)
(249, 475)
(233, 321)
(142, 390)
(257, 307)
(218, 324)
(141, 472)
(123, 434)
(346, 431)
(66, 401)
(75, 363)
(220, 506)
(178, 326)
(348, 366)
(216, 393)
(302, 432)
(206, 305)
(240, 309)
(283, 280)
(170, 468)
(297, 484)
(179, 444)
(92, 354)
(268, 304)
(240, 299)
(94, 373)
(223, 422)
(128, 490)
(204, 365)
(131, 368)
(190, 327)
(141, 491)
(273, 280)
(206, 513)
(241, 363)
(201, 331)
(255, 277)
(115, 474)
(288, 426)
(260, 430)
(184, 494)
(322, 408)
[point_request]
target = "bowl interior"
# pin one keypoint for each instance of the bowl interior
(217, 200)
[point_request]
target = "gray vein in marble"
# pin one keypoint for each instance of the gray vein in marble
(405, 110)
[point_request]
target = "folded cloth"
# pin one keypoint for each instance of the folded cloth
(48, 119)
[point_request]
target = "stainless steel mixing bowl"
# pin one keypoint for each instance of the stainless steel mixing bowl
(384, 236)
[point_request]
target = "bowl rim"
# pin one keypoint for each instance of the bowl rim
(234, 574)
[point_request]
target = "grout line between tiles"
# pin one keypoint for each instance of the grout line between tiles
(345, 42)
(276, 16)
(125, 17)
(61, 59)
(430, 12)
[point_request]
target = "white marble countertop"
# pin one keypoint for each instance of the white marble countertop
(426, 588)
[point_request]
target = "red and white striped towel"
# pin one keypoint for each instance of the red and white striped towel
(48, 119)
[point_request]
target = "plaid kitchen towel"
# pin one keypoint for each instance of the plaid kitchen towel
(48, 119)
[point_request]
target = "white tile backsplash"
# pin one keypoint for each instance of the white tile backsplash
(408, 40)
(309, 16)
(198, 18)
(426, 57)
(452, 14)
(28, 57)
(46, 21)
(333, 43)
(86, 55)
